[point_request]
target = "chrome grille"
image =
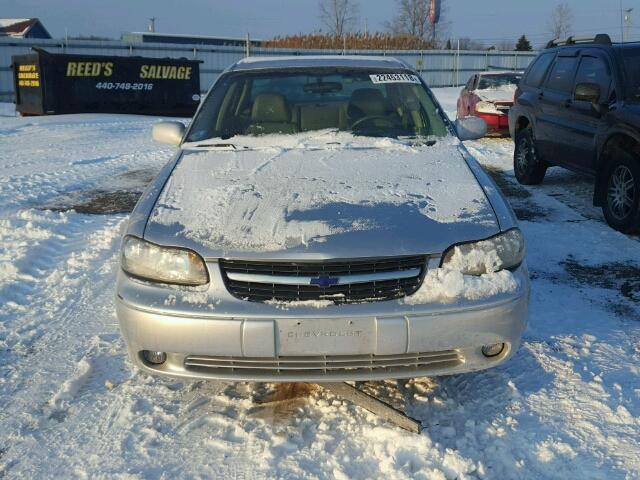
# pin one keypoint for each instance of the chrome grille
(354, 281)
(326, 364)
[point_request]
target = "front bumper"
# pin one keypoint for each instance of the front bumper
(246, 341)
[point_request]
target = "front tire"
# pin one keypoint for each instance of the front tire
(621, 206)
(527, 166)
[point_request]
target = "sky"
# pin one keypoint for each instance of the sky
(487, 20)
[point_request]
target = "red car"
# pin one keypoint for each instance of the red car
(489, 95)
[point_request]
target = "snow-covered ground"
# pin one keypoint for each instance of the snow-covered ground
(71, 405)
(7, 110)
(448, 98)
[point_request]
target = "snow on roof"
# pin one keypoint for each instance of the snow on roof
(5, 22)
(16, 27)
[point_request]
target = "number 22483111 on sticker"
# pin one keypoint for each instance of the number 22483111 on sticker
(394, 78)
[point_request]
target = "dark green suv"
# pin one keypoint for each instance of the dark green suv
(578, 107)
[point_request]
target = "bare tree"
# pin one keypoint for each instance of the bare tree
(338, 15)
(560, 22)
(413, 19)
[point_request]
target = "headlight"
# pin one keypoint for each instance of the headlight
(487, 107)
(505, 250)
(162, 264)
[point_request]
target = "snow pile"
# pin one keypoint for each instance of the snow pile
(481, 258)
(270, 199)
(487, 256)
(446, 285)
(72, 385)
(473, 271)
(7, 109)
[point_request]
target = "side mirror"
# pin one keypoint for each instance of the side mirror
(170, 133)
(470, 128)
(587, 92)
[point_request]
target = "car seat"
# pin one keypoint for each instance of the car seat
(270, 113)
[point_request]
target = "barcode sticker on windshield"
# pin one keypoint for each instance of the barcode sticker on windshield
(394, 78)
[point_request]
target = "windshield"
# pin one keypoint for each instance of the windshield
(371, 103)
(499, 80)
(631, 61)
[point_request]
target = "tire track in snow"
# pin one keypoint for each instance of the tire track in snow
(75, 303)
(57, 297)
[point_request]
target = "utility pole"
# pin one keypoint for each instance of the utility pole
(627, 24)
(152, 24)
(457, 82)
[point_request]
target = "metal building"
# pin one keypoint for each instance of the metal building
(154, 37)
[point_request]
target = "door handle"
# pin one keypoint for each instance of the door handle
(568, 103)
(540, 95)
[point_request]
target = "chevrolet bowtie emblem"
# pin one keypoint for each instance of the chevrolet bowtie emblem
(324, 282)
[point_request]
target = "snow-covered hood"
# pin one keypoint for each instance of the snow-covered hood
(325, 202)
(503, 94)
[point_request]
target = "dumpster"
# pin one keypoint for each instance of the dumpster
(49, 84)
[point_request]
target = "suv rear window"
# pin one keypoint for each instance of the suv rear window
(539, 68)
(561, 76)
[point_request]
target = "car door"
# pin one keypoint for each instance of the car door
(553, 121)
(585, 119)
(530, 87)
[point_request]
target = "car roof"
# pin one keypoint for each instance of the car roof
(319, 61)
(585, 45)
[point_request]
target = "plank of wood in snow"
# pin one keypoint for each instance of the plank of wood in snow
(374, 405)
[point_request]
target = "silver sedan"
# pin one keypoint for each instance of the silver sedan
(321, 221)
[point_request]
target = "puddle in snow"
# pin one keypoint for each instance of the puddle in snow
(613, 276)
(120, 195)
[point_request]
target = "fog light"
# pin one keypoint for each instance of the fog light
(493, 349)
(156, 358)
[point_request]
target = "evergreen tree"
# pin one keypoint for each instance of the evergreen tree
(523, 44)
(448, 47)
